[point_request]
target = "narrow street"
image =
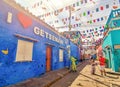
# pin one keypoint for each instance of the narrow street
(58, 78)
(59, 43)
(67, 80)
(85, 79)
(81, 78)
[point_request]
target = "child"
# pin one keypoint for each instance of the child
(93, 64)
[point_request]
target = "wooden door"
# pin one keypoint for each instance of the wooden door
(48, 58)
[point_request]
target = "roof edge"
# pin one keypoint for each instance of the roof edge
(13, 4)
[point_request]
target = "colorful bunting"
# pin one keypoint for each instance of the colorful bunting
(101, 8)
(97, 9)
(98, 19)
(90, 15)
(73, 36)
(88, 12)
(84, 14)
(107, 6)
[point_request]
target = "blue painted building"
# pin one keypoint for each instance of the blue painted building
(111, 42)
(28, 46)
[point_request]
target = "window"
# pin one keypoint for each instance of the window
(9, 18)
(60, 55)
(24, 51)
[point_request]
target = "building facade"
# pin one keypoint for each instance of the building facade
(28, 46)
(111, 42)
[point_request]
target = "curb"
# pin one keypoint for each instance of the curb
(55, 80)
(61, 76)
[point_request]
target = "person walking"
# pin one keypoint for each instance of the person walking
(73, 64)
(102, 65)
(93, 66)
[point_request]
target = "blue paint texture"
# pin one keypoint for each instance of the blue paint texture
(12, 72)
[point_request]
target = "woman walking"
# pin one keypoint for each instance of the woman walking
(102, 65)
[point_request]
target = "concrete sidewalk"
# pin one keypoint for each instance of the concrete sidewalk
(46, 79)
(85, 79)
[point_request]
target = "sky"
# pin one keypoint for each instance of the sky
(52, 5)
(41, 7)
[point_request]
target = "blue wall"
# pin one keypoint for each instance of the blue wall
(75, 51)
(12, 72)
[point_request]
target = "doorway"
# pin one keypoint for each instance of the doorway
(109, 54)
(48, 58)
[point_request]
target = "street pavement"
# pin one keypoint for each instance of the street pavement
(47, 79)
(81, 78)
(85, 79)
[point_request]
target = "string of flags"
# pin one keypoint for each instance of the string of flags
(92, 32)
(86, 13)
(79, 24)
(83, 34)
(72, 7)
(101, 8)
(76, 36)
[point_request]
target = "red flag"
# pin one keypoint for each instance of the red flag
(101, 8)
(94, 20)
